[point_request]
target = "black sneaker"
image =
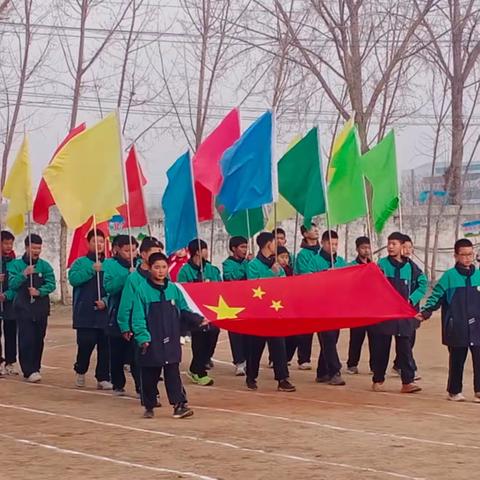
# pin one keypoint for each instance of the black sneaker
(337, 380)
(252, 384)
(285, 386)
(182, 411)
(148, 414)
(324, 379)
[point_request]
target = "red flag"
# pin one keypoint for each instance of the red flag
(79, 247)
(206, 163)
(135, 183)
(44, 200)
(341, 298)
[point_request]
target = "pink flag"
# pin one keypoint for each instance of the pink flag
(206, 162)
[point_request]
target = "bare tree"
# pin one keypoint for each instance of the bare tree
(78, 66)
(456, 59)
(24, 71)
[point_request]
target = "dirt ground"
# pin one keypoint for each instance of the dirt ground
(53, 430)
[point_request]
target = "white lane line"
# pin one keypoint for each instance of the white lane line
(324, 426)
(105, 459)
(211, 442)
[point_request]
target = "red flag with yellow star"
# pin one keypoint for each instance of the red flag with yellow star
(342, 298)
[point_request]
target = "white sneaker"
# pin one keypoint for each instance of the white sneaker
(182, 341)
(3, 369)
(104, 385)
(80, 380)
(456, 398)
(188, 339)
(35, 377)
(240, 370)
(11, 369)
(305, 366)
(417, 377)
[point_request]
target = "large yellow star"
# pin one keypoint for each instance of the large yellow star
(258, 293)
(276, 305)
(224, 311)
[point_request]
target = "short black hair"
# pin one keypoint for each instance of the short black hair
(34, 239)
(148, 243)
(406, 238)
(161, 245)
(264, 238)
(195, 245)
(281, 250)
(156, 257)
(96, 232)
(304, 229)
(115, 241)
(235, 242)
(6, 235)
(122, 240)
(328, 234)
(462, 243)
(362, 241)
(279, 231)
(397, 236)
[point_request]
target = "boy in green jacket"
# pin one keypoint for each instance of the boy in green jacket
(398, 271)
(158, 311)
(458, 294)
(308, 249)
(90, 316)
(116, 271)
(235, 268)
(204, 341)
(7, 317)
(32, 280)
(264, 266)
(329, 365)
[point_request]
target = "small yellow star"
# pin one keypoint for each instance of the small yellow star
(258, 293)
(224, 311)
(276, 305)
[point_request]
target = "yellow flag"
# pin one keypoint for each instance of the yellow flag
(18, 189)
(337, 144)
(85, 177)
(284, 209)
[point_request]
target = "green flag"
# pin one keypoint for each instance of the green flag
(346, 191)
(236, 224)
(300, 177)
(379, 165)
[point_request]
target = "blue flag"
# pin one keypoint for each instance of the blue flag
(247, 168)
(178, 205)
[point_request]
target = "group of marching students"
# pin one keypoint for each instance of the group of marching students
(131, 310)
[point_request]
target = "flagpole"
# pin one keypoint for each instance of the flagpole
(96, 257)
(30, 261)
(195, 207)
(275, 230)
(295, 236)
(125, 186)
(274, 177)
(327, 206)
(400, 212)
(212, 230)
(247, 213)
(369, 223)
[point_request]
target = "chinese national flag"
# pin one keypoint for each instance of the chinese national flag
(206, 163)
(44, 200)
(135, 183)
(79, 247)
(342, 298)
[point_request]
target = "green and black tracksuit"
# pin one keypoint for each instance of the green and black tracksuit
(261, 267)
(329, 363)
(88, 320)
(358, 334)
(458, 294)
(419, 280)
(122, 351)
(204, 340)
(31, 312)
(157, 317)
(302, 344)
(8, 322)
(400, 275)
(236, 269)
